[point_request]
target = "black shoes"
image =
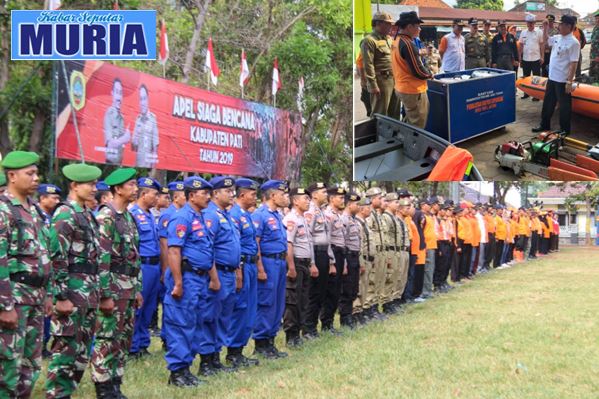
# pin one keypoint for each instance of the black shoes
(525, 96)
(538, 129)
(105, 390)
(310, 335)
(236, 359)
(183, 378)
(293, 341)
(210, 365)
(267, 349)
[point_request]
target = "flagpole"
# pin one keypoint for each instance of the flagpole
(242, 92)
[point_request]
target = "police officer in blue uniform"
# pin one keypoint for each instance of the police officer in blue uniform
(271, 236)
(149, 251)
(190, 276)
(227, 255)
(246, 299)
(177, 192)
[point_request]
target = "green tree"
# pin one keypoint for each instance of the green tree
(493, 5)
(589, 194)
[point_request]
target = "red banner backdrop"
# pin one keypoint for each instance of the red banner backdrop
(130, 118)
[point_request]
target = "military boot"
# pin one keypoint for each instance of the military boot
(105, 390)
(206, 366)
(178, 378)
(116, 383)
(262, 348)
(218, 366)
(273, 349)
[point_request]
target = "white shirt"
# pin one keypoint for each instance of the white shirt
(531, 45)
(454, 58)
(564, 50)
(483, 229)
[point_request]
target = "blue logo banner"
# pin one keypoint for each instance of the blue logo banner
(83, 35)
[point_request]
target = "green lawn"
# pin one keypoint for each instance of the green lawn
(526, 332)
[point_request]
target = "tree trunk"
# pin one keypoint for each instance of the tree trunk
(587, 240)
(193, 44)
(5, 143)
(37, 131)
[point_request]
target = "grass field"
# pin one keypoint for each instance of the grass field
(526, 332)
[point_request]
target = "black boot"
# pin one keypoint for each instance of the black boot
(180, 378)
(273, 349)
(348, 321)
(293, 340)
(236, 359)
(105, 390)
(262, 348)
(116, 383)
(218, 366)
(206, 366)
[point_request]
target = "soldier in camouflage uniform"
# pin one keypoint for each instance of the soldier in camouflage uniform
(119, 242)
(478, 48)
(78, 283)
(24, 277)
(594, 69)
(404, 249)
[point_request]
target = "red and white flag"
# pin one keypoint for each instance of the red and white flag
(53, 4)
(164, 51)
(211, 64)
(276, 81)
(244, 71)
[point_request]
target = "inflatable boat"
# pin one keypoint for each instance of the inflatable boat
(585, 98)
(386, 149)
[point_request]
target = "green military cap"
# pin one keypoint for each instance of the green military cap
(391, 196)
(404, 202)
(2, 179)
(373, 192)
(81, 172)
(120, 176)
(20, 159)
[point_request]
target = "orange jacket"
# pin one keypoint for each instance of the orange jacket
(464, 230)
(430, 236)
(490, 225)
(501, 228)
(415, 243)
(408, 71)
(474, 231)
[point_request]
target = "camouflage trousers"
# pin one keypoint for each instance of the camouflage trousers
(113, 339)
(21, 353)
(594, 72)
(70, 351)
(365, 297)
(391, 276)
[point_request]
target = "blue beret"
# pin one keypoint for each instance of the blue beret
(222, 182)
(48, 189)
(248, 184)
(101, 186)
(196, 183)
(148, 182)
(176, 186)
(274, 185)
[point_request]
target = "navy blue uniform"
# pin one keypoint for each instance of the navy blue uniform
(227, 253)
(271, 293)
(149, 250)
(244, 313)
(189, 322)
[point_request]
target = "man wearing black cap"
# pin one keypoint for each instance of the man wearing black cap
(504, 50)
(452, 48)
(409, 72)
(478, 49)
(565, 50)
(351, 275)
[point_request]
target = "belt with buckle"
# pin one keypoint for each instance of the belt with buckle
(249, 258)
(127, 270)
(280, 255)
(323, 248)
(392, 248)
(187, 268)
(150, 260)
(353, 253)
(225, 268)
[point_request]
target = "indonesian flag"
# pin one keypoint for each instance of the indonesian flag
(276, 82)
(53, 4)
(164, 51)
(244, 71)
(211, 64)
(300, 94)
(115, 5)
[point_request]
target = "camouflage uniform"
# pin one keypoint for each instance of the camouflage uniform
(367, 257)
(77, 278)
(24, 283)
(594, 69)
(119, 243)
(379, 265)
(391, 276)
(432, 62)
